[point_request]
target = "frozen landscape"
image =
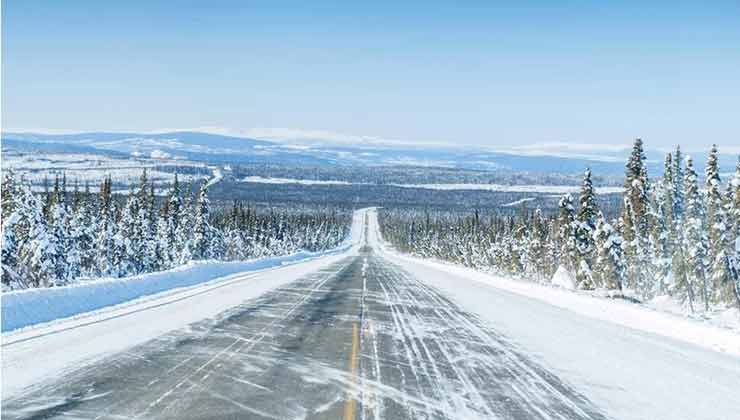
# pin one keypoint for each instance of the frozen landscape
(421, 339)
(521, 210)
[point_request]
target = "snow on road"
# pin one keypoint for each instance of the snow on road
(628, 361)
(34, 354)
(632, 362)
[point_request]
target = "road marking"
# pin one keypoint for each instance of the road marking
(349, 405)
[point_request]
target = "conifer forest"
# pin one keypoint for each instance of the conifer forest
(68, 234)
(677, 234)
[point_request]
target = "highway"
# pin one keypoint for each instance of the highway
(358, 336)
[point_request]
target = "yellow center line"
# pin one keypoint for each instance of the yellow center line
(349, 405)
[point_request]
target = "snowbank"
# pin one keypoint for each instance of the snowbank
(24, 308)
(638, 317)
(562, 278)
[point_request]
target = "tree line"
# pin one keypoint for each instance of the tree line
(674, 236)
(57, 237)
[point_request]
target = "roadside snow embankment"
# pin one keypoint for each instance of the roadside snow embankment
(648, 318)
(633, 362)
(24, 308)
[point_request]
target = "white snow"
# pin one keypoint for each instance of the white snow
(555, 189)
(633, 362)
(218, 175)
(263, 180)
(33, 354)
(23, 308)
(570, 150)
(93, 168)
(562, 278)
(158, 154)
(518, 202)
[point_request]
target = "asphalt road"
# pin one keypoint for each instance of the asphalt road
(360, 339)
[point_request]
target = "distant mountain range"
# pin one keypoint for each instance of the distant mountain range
(220, 149)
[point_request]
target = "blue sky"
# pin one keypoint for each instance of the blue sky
(486, 73)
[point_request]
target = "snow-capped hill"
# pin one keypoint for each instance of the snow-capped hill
(325, 148)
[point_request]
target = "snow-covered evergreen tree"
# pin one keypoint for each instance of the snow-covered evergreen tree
(186, 220)
(41, 253)
(540, 252)
(567, 238)
(106, 229)
(202, 235)
(635, 216)
(696, 240)
(719, 233)
(662, 236)
(11, 230)
(666, 201)
(734, 202)
(678, 191)
(129, 250)
(59, 229)
(585, 229)
(83, 230)
(609, 265)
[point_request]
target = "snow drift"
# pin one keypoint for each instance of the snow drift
(24, 308)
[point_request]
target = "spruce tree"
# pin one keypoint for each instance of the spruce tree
(695, 239)
(41, 252)
(567, 234)
(172, 213)
(734, 204)
(106, 229)
(131, 239)
(83, 230)
(678, 191)
(202, 234)
(11, 225)
(59, 229)
(666, 202)
(541, 258)
(719, 232)
(609, 265)
(662, 238)
(586, 227)
(185, 222)
(635, 226)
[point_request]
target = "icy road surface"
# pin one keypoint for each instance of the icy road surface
(365, 336)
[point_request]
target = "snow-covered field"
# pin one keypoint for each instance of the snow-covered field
(264, 180)
(553, 189)
(93, 168)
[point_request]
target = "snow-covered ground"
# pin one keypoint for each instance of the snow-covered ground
(24, 308)
(264, 180)
(633, 361)
(218, 175)
(657, 317)
(93, 168)
(47, 350)
(553, 189)
(518, 202)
